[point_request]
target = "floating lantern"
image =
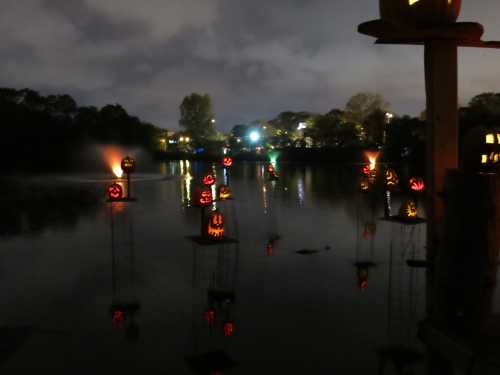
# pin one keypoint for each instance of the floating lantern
(482, 150)
(203, 197)
(128, 165)
(215, 227)
(408, 210)
(420, 13)
(224, 192)
(227, 161)
(228, 329)
(391, 178)
(417, 184)
(115, 192)
(208, 179)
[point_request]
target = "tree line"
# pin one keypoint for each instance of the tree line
(41, 133)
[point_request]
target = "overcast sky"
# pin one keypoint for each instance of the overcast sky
(256, 58)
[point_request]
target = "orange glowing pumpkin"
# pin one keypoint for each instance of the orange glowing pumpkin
(417, 184)
(224, 192)
(408, 210)
(128, 165)
(215, 228)
(203, 197)
(391, 178)
(420, 13)
(208, 180)
(115, 191)
(227, 161)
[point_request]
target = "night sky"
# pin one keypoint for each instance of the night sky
(255, 58)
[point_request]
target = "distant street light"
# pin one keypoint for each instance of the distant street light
(254, 136)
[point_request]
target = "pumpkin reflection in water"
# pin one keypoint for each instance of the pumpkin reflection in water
(408, 210)
(224, 192)
(215, 229)
(115, 191)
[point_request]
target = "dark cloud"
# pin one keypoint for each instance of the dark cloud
(256, 58)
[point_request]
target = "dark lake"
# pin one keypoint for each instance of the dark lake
(317, 284)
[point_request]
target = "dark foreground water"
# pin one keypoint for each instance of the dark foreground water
(86, 287)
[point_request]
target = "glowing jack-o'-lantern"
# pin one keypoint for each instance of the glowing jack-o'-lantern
(420, 13)
(224, 192)
(391, 178)
(208, 179)
(215, 227)
(115, 191)
(417, 184)
(128, 165)
(203, 197)
(408, 210)
(227, 161)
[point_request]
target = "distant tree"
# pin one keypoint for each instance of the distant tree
(374, 127)
(362, 105)
(197, 117)
(333, 129)
(405, 139)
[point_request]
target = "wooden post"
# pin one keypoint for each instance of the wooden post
(441, 77)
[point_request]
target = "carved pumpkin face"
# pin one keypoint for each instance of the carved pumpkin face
(391, 178)
(215, 229)
(115, 191)
(203, 197)
(420, 13)
(208, 180)
(224, 192)
(417, 184)
(128, 165)
(408, 210)
(270, 168)
(227, 161)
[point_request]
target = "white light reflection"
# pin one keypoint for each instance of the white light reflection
(300, 191)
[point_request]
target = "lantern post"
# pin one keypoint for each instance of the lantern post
(409, 24)
(128, 166)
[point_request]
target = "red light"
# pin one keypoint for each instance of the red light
(363, 279)
(115, 191)
(208, 180)
(227, 161)
(366, 170)
(117, 318)
(417, 184)
(269, 249)
(228, 329)
(210, 316)
(205, 198)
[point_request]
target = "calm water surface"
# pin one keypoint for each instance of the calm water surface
(69, 262)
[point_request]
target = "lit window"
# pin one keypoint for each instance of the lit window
(498, 138)
(484, 159)
(490, 138)
(413, 2)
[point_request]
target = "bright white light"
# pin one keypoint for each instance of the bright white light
(302, 125)
(187, 139)
(254, 136)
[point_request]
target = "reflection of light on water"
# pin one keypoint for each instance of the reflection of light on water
(214, 194)
(226, 177)
(264, 198)
(300, 191)
(186, 178)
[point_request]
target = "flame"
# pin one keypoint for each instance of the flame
(117, 170)
(113, 156)
(372, 158)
